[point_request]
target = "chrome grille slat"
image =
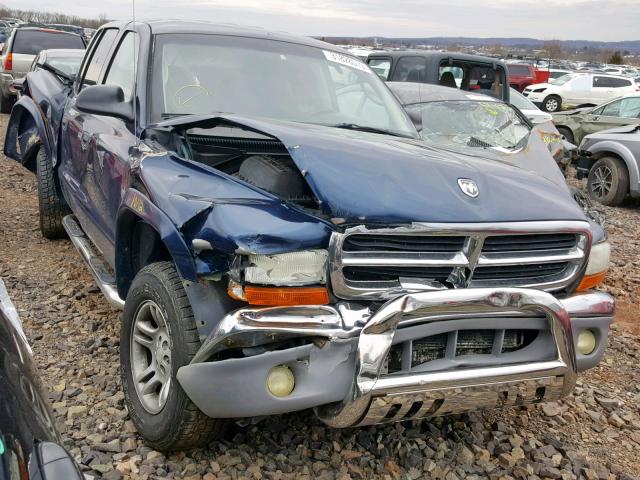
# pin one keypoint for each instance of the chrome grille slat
(550, 254)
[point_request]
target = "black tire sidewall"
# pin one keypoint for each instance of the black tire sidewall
(160, 426)
(619, 181)
(568, 134)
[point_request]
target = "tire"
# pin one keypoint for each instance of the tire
(6, 103)
(51, 206)
(608, 181)
(163, 414)
(568, 134)
(552, 103)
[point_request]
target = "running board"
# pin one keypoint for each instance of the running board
(97, 265)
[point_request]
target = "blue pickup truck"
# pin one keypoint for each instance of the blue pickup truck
(280, 239)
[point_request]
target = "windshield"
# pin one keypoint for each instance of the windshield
(479, 124)
(202, 74)
(68, 64)
(563, 79)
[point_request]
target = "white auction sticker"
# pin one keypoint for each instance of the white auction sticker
(346, 60)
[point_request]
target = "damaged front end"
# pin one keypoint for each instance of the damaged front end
(331, 272)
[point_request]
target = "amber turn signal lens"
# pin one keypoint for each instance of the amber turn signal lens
(590, 281)
(273, 296)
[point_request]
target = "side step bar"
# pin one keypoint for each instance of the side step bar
(100, 270)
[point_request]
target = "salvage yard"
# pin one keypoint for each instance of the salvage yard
(593, 434)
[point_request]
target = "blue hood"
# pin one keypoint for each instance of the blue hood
(372, 178)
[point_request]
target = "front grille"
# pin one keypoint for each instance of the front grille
(413, 243)
(518, 243)
(478, 346)
(377, 264)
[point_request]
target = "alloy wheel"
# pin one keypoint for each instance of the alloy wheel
(552, 105)
(151, 357)
(602, 181)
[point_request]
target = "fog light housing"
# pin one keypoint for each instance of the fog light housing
(280, 381)
(586, 342)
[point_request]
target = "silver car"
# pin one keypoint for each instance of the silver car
(21, 49)
(610, 160)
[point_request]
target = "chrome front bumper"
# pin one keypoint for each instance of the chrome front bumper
(339, 371)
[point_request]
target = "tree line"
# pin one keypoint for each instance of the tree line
(33, 16)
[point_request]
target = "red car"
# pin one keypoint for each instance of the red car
(521, 75)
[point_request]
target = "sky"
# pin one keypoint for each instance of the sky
(600, 20)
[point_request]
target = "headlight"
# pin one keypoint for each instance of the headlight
(288, 269)
(597, 266)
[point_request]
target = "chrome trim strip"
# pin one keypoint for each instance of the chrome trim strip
(463, 263)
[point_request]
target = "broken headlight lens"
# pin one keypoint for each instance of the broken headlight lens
(308, 267)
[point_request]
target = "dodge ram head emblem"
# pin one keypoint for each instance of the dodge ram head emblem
(468, 187)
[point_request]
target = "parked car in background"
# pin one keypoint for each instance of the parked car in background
(474, 123)
(449, 69)
(67, 28)
(575, 124)
(521, 75)
(306, 249)
(577, 89)
(526, 106)
(21, 49)
(30, 447)
(62, 62)
(610, 160)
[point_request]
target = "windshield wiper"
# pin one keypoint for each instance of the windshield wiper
(49, 68)
(362, 128)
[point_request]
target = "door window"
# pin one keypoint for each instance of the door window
(411, 69)
(98, 57)
(600, 81)
(382, 66)
(619, 82)
(611, 109)
(122, 71)
(630, 107)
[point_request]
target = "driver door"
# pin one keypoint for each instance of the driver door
(620, 112)
(77, 128)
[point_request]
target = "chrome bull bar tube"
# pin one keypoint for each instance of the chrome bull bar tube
(371, 395)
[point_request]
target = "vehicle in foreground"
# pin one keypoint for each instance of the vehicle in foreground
(610, 160)
(575, 124)
(481, 125)
(20, 50)
(449, 69)
(578, 89)
(531, 111)
(306, 249)
(30, 447)
(521, 75)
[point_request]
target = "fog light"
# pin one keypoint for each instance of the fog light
(586, 342)
(280, 381)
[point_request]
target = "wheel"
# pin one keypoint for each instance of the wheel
(552, 103)
(608, 181)
(51, 206)
(6, 103)
(568, 134)
(158, 337)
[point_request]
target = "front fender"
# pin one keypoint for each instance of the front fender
(610, 146)
(137, 206)
(25, 133)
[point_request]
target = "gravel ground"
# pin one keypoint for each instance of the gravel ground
(594, 434)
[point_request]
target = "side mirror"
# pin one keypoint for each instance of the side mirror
(105, 100)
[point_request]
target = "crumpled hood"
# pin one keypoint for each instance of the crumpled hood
(371, 178)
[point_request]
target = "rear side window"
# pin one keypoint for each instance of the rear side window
(31, 42)
(382, 66)
(518, 70)
(619, 82)
(411, 69)
(99, 57)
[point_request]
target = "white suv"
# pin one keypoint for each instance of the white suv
(579, 89)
